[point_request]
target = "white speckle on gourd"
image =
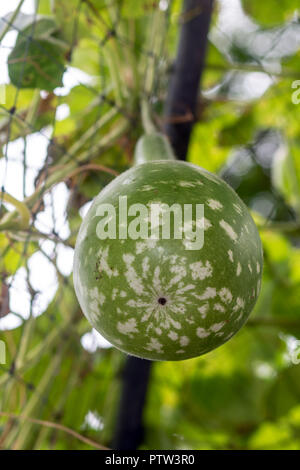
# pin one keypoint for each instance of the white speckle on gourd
(217, 326)
(203, 310)
(128, 327)
(146, 187)
(103, 264)
(202, 333)
(154, 345)
(201, 270)
(186, 184)
(173, 335)
(145, 266)
(225, 295)
(219, 307)
(210, 293)
(184, 341)
(238, 208)
(240, 303)
(214, 205)
(228, 230)
(132, 277)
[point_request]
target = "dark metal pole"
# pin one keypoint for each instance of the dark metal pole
(180, 111)
(129, 429)
(181, 102)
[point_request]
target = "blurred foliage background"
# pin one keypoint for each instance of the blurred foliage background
(74, 74)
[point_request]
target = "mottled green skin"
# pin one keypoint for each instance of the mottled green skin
(119, 282)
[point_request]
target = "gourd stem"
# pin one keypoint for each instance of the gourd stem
(148, 125)
(153, 147)
(156, 38)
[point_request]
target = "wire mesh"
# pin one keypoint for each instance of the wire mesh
(61, 331)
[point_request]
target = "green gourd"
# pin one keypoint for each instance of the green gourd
(158, 298)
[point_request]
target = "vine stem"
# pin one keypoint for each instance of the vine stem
(292, 228)
(33, 356)
(60, 427)
(278, 322)
(148, 125)
(89, 134)
(93, 166)
(34, 108)
(63, 173)
(21, 208)
(155, 41)
(17, 438)
(24, 342)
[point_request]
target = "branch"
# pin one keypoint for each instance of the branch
(20, 207)
(274, 321)
(60, 427)
(135, 379)
(180, 110)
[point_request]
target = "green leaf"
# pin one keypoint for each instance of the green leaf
(240, 132)
(71, 17)
(13, 255)
(271, 436)
(45, 7)
(42, 27)
(271, 12)
(133, 9)
(36, 64)
(286, 175)
(86, 56)
(79, 98)
(205, 149)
